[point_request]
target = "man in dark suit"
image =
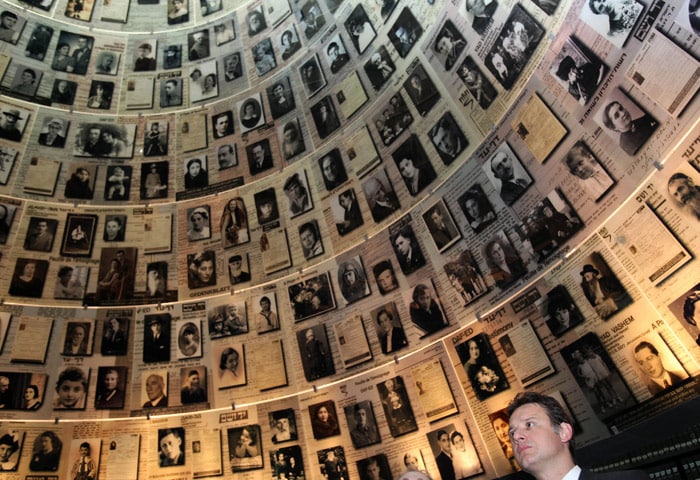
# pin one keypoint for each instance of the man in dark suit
(392, 337)
(444, 458)
(81, 56)
(408, 251)
(259, 157)
(53, 137)
(542, 435)
(156, 344)
(155, 391)
(658, 378)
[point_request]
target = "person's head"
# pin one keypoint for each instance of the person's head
(249, 436)
(258, 152)
(8, 446)
(599, 6)
(691, 308)
(616, 117)
(322, 413)
(31, 393)
(114, 323)
(407, 168)
(445, 137)
(496, 252)
(8, 19)
(144, 50)
(410, 461)
(360, 415)
(502, 166)
(385, 276)
(349, 273)
(567, 70)
(373, 470)
(225, 155)
(64, 274)
(204, 266)
(49, 442)
(329, 168)
(250, 109)
(113, 227)
(231, 62)
(29, 269)
(647, 356)
(443, 439)
(155, 387)
(385, 319)
(28, 76)
(421, 295)
(290, 133)
(457, 441)
(194, 167)
(155, 325)
(558, 309)
(333, 51)
(265, 304)
(444, 43)
(256, 22)
(684, 192)
(499, 422)
(222, 124)
(541, 433)
(77, 333)
(111, 379)
(235, 263)
(293, 187)
(71, 387)
(170, 444)
(346, 199)
(4, 384)
(229, 359)
(199, 219)
(210, 81)
(193, 379)
(307, 235)
(94, 134)
(473, 349)
(286, 38)
(403, 242)
(437, 217)
(589, 272)
(581, 162)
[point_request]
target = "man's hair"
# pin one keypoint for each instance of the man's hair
(9, 440)
(644, 344)
(418, 291)
(556, 413)
(65, 271)
(168, 431)
(72, 374)
(606, 114)
(30, 71)
(308, 227)
(171, 81)
(192, 372)
(8, 14)
(85, 445)
(385, 312)
(440, 433)
(332, 45)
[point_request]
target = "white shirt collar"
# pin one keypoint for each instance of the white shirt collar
(573, 474)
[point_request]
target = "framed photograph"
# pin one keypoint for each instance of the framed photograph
(234, 223)
(602, 288)
(395, 117)
(287, 462)
(170, 93)
(390, 332)
(414, 165)
(266, 206)
(331, 460)
(352, 279)
(193, 385)
(289, 43)
(449, 44)
(81, 183)
(291, 139)
(426, 310)
(250, 113)
(14, 441)
(687, 311)
(283, 425)
(198, 223)
(441, 225)
(264, 57)
(40, 461)
(478, 85)
(508, 176)
(198, 46)
(255, 20)
(201, 269)
(230, 367)
(238, 269)
(406, 247)
(5, 319)
(8, 155)
(63, 92)
(310, 239)
(156, 280)
(170, 447)
(28, 278)
(78, 338)
(111, 385)
(505, 265)
(311, 297)
(280, 98)
(204, 81)
(526, 354)
(578, 70)
(115, 228)
(465, 277)
(463, 459)
(7, 214)
(324, 420)
(623, 120)
(12, 26)
(385, 276)
(346, 212)
(405, 32)
(476, 208)
(80, 10)
(13, 122)
(316, 357)
(115, 336)
(53, 133)
(189, 339)
(311, 19)
(560, 311)
(373, 467)
(172, 54)
(614, 23)
(259, 156)
(40, 234)
(224, 33)
(434, 392)
(71, 389)
(597, 376)
(516, 42)
(233, 68)
(104, 140)
(481, 365)
(73, 51)
(245, 445)
(336, 54)
(266, 318)
(25, 82)
(538, 128)
(156, 338)
(380, 195)
(421, 90)
(379, 68)
(296, 189)
(397, 407)
(107, 63)
(79, 235)
(154, 180)
(360, 29)
(332, 169)
(362, 424)
(196, 172)
(154, 391)
(312, 76)
(222, 124)
(448, 139)
(590, 174)
(118, 184)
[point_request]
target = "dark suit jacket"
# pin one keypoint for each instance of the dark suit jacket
(621, 475)
(398, 340)
(59, 141)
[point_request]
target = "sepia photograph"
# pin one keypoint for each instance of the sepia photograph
(385, 276)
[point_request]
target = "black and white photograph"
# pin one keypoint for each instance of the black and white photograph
(336, 54)
(449, 44)
(245, 445)
(171, 92)
(507, 174)
(346, 212)
(204, 81)
(114, 228)
(380, 195)
(465, 277)
(112, 383)
(312, 76)
(25, 82)
(198, 223)
(517, 41)
(385, 276)
(156, 338)
(478, 85)
(81, 183)
(280, 98)
(118, 184)
(7, 214)
(405, 32)
(317, 361)
(266, 206)
(222, 124)
(589, 173)
(447, 138)
(196, 172)
(78, 338)
(296, 189)
(578, 70)
(374, 468)
(406, 247)
(441, 225)
(189, 339)
(115, 336)
(455, 452)
(379, 68)
(259, 156)
(481, 366)
(397, 407)
(233, 67)
(156, 280)
(8, 155)
(70, 282)
(264, 57)
(144, 53)
(324, 420)
(40, 234)
(265, 317)
(625, 122)
(425, 308)
(72, 53)
(362, 424)
(71, 389)
(310, 239)
(283, 426)
(481, 14)
(172, 55)
(178, 12)
(238, 269)
(12, 122)
(155, 139)
(393, 119)
(390, 332)
(227, 156)
(289, 42)
(230, 367)
(476, 207)
(171, 447)
(287, 463)
(360, 29)
(325, 117)
(154, 389)
(352, 279)
(11, 26)
(250, 113)
(255, 21)
(198, 45)
(421, 90)
(154, 180)
(116, 274)
(505, 265)
(63, 91)
(686, 309)
(332, 169)
(311, 19)
(311, 297)
(602, 288)
(104, 140)
(234, 223)
(332, 463)
(597, 375)
(291, 139)
(11, 442)
(560, 311)
(201, 269)
(224, 33)
(46, 452)
(79, 235)
(414, 165)
(613, 19)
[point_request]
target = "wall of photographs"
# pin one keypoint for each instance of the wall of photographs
(312, 238)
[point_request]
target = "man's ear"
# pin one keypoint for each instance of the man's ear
(566, 432)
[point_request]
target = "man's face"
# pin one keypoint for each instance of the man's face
(194, 381)
(235, 267)
(650, 363)
(254, 23)
(444, 442)
(446, 140)
(4, 385)
(384, 321)
(8, 22)
(78, 335)
(472, 207)
(386, 280)
(94, 135)
(266, 209)
(154, 387)
(307, 239)
(685, 193)
(437, 219)
(361, 417)
(502, 166)
(83, 175)
(155, 328)
(42, 227)
(170, 446)
(225, 156)
(169, 88)
(46, 444)
(107, 61)
(278, 91)
(620, 117)
(283, 424)
(373, 471)
(588, 276)
(535, 442)
(330, 171)
(222, 125)
(143, 52)
(424, 300)
(5, 452)
(27, 78)
(403, 245)
(111, 380)
(258, 153)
